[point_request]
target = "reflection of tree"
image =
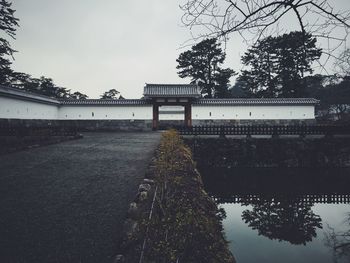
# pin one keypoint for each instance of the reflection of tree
(282, 219)
(339, 242)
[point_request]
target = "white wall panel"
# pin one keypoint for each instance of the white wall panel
(16, 108)
(171, 113)
(13, 108)
(287, 112)
(114, 112)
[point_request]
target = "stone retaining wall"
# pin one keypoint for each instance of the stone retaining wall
(251, 122)
(166, 124)
(82, 125)
(273, 153)
(136, 125)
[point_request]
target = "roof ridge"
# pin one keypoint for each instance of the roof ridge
(257, 98)
(256, 101)
(170, 84)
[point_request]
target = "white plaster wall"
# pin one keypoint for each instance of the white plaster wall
(12, 108)
(287, 112)
(171, 116)
(165, 113)
(114, 112)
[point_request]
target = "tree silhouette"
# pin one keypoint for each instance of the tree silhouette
(283, 219)
(339, 242)
(343, 64)
(77, 96)
(256, 19)
(111, 94)
(203, 65)
(43, 86)
(8, 26)
(48, 88)
(25, 82)
(336, 97)
(277, 65)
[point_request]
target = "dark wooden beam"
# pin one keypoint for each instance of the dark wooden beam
(188, 115)
(155, 117)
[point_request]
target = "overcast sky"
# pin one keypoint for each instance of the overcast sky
(92, 46)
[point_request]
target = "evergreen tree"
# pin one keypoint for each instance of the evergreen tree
(238, 90)
(260, 80)
(111, 94)
(48, 88)
(336, 97)
(277, 65)
(203, 65)
(77, 96)
(8, 25)
(25, 82)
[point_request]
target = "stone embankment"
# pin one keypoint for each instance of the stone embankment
(275, 152)
(172, 218)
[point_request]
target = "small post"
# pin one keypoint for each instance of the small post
(222, 132)
(275, 133)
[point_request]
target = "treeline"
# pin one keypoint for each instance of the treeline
(43, 85)
(275, 67)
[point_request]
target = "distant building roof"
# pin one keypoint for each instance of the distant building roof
(171, 90)
(262, 101)
(105, 102)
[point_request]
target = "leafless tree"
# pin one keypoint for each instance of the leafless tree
(254, 19)
(343, 63)
(339, 242)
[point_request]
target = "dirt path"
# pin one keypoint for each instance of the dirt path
(67, 202)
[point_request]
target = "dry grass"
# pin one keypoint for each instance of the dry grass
(186, 224)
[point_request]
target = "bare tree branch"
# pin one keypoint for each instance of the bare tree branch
(252, 19)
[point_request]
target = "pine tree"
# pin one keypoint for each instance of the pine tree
(8, 25)
(277, 65)
(203, 65)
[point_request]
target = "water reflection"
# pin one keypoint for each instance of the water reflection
(282, 219)
(281, 206)
(339, 241)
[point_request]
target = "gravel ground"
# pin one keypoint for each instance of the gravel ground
(67, 202)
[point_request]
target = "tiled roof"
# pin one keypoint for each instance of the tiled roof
(171, 90)
(263, 101)
(26, 95)
(158, 90)
(105, 102)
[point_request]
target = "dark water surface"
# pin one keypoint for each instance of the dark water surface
(283, 215)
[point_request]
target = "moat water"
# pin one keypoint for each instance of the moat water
(283, 215)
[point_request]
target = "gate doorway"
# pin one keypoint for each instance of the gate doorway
(171, 95)
(171, 117)
(167, 118)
